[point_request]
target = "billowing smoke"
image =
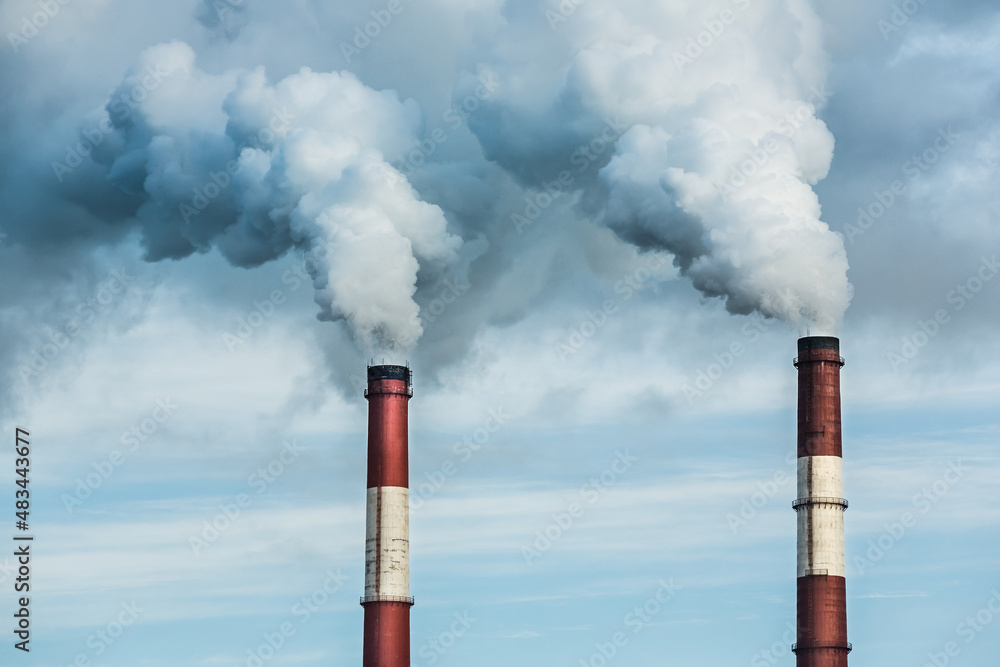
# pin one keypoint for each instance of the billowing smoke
(233, 162)
(691, 128)
(682, 128)
(225, 18)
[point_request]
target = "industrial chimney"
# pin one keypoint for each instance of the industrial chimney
(822, 595)
(387, 598)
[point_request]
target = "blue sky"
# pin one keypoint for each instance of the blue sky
(698, 528)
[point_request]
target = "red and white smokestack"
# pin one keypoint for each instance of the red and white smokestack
(387, 598)
(822, 593)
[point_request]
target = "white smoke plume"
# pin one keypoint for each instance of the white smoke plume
(225, 18)
(254, 169)
(720, 144)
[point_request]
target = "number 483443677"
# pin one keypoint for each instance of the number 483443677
(22, 493)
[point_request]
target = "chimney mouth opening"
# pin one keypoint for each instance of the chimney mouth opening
(390, 372)
(819, 343)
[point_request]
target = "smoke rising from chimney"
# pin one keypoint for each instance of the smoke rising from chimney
(722, 150)
(253, 169)
(699, 126)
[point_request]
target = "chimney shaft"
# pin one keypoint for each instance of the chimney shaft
(821, 595)
(387, 598)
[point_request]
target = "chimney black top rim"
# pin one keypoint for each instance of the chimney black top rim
(807, 343)
(390, 372)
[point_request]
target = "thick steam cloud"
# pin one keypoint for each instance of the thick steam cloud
(225, 18)
(685, 128)
(233, 162)
(722, 145)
